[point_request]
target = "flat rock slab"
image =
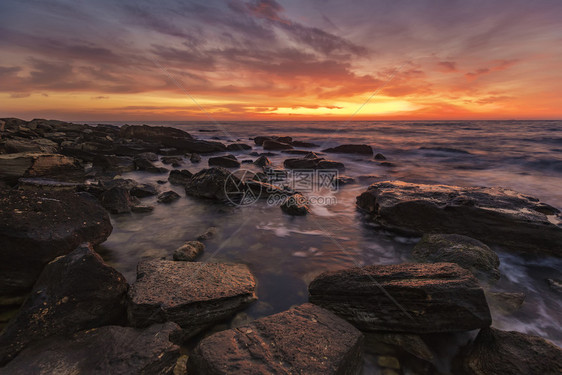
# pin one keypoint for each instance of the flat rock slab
(38, 226)
(191, 294)
(303, 340)
(107, 350)
(411, 298)
(491, 215)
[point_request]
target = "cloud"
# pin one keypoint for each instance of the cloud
(447, 66)
(498, 65)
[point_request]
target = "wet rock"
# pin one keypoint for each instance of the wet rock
(296, 205)
(228, 161)
(168, 197)
(555, 285)
(505, 303)
(276, 145)
(142, 209)
(462, 250)
(500, 352)
(424, 298)
(303, 340)
(174, 160)
(209, 233)
(344, 180)
(114, 163)
(351, 149)
(180, 177)
(143, 190)
(491, 215)
(189, 251)
(195, 158)
(38, 226)
(407, 342)
(14, 166)
(74, 292)
(213, 183)
(309, 163)
(262, 161)
(191, 294)
(117, 200)
(238, 147)
(303, 144)
(380, 156)
(142, 163)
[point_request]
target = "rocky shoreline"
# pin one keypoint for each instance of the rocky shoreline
(70, 312)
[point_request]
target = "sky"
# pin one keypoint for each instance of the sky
(136, 60)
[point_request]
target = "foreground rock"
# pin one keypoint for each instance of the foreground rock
(410, 298)
(189, 251)
(462, 250)
(168, 197)
(74, 292)
(107, 350)
(212, 183)
(501, 352)
(492, 215)
(14, 166)
(179, 177)
(36, 227)
(193, 295)
(351, 149)
(303, 340)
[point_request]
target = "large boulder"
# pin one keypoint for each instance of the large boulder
(74, 292)
(506, 353)
(272, 144)
(38, 226)
(351, 149)
(41, 145)
(106, 350)
(228, 161)
(410, 298)
(31, 164)
(303, 340)
(214, 183)
(193, 295)
(462, 250)
(491, 215)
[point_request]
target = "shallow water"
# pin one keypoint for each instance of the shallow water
(286, 253)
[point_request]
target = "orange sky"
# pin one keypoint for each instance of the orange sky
(290, 60)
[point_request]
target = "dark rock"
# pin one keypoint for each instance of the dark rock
(410, 343)
(247, 161)
(168, 151)
(344, 180)
(142, 209)
(106, 350)
(74, 292)
(303, 144)
(492, 215)
(410, 298)
(276, 145)
(351, 149)
(462, 250)
(38, 145)
(380, 156)
(295, 205)
(238, 147)
(387, 164)
(38, 226)
(227, 161)
(213, 183)
(262, 161)
(181, 177)
(14, 166)
(209, 233)
(160, 134)
(259, 140)
(144, 164)
(117, 200)
(312, 155)
(143, 190)
(308, 163)
(168, 197)
(502, 353)
(303, 340)
(195, 158)
(175, 160)
(189, 251)
(191, 294)
(150, 156)
(114, 163)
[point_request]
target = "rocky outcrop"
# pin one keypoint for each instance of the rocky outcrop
(189, 251)
(29, 164)
(228, 161)
(38, 145)
(491, 215)
(502, 353)
(309, 163)
(410, 298)
(74, 292)
(351, 149)
(213, 183)
(462, 250)
(38, 226)
(107, 350)
(193, 295)
(303, 340)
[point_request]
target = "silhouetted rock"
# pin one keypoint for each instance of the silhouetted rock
(262, 161)
(168, 197)
(142, 163)
(380, 156)
(410, 298)
(238, 147)
(152, 133)
(271, 144)
(492, 215)
(174, 160)
(143, 190)
(309, 163)
(189, 251)
(351, 149)
(212, 183)
(303, 340)
(228, 161)
(179, 177)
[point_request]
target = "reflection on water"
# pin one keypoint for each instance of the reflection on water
(286, 253)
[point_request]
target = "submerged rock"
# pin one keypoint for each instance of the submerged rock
(106, 350)
(228, 161)
(410, 298)
(462, 250)
(351, 149)
(38, 226)
(193, 295)
(296, 205)
(380, 156)
(303, 340)
(74, 292)
(492, 215)
(209, 233)
(189, 251)
(500, 352)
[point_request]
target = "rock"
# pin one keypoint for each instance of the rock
(14, 166)
(555, 285)
(295, 205)
(168, 197)
(262, 161)
(303, 144)
(150, 156)
(410, 343)
(117, 200)
(181, 177)
(74, 292)
(191, 294)
(38, 226)
(38, 145)
(505, 303)
(238, 147)
(344, 180)
(228, 161)
(308, 163)
(388, 362)
(170, 151)
(276, 145)
(106, 350)
(142, 209)
(143, 164)
(114, 163)
(189, 251)
(39, 183)
(260, 139)
(160, 134)
(351, 149)
(500, 352)
(462, 250)
(491, 215)
(380, 156)
(174, 160)
(303, 340)
(209, 233)
(213, 183)
(195, 158)
(143, 190)
(424, 298)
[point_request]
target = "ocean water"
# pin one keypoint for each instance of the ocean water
(286, 253)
